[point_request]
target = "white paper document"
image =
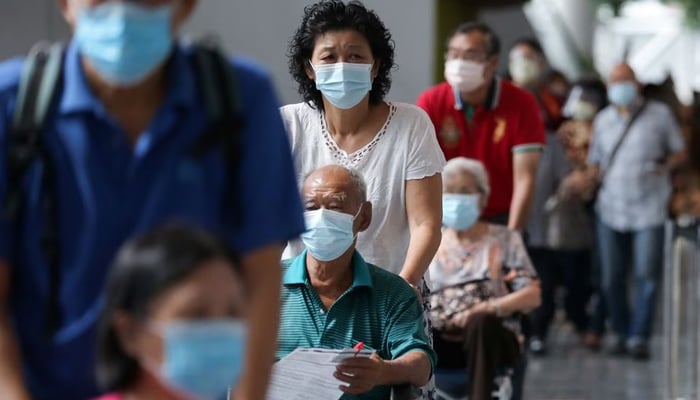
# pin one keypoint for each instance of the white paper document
(307, 374)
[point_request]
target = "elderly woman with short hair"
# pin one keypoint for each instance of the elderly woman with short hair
(482, 278)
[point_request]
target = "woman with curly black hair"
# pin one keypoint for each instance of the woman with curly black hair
(341, 57)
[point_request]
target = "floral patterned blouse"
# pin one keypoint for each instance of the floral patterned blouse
(499, 251)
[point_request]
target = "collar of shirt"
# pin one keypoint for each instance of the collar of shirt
(78, 97)
(492, 97)
(297, 274)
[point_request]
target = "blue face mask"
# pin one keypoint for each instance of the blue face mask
(460, 211)
(344, 84)
(328, 233)
(124, 41)
(204, 358)
(622, 94)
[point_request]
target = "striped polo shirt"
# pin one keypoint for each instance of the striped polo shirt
(378, 309)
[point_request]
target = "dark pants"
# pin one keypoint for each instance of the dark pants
(487, 346)
(571, 269)
(599, 310)
(643, 250)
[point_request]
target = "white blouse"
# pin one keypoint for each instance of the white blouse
(405, 148)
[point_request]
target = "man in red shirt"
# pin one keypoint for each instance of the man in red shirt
(480, 116)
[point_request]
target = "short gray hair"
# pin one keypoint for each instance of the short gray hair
(474, 167)
(358, 182)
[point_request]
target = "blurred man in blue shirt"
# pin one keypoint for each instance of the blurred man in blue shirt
(120, 136)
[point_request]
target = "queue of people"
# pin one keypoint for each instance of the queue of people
(433, 234)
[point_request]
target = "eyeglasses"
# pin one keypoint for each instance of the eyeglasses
(466, 55)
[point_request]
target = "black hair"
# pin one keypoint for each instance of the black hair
(334, 15)
(143, 269)
(594, 90)
(530, 42)
(493, 43)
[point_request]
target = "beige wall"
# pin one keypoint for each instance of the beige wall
(256, 28)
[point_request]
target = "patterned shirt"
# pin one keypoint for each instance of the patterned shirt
(457, 267)
(378, 309)
(633, 196)
(499, 251)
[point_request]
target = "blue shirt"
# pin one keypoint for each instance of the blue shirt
(633, 196)
(108, 190)
(379, 309)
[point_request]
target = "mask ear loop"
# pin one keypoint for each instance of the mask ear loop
(354, 238)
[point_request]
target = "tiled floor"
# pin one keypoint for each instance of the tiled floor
(570, 372)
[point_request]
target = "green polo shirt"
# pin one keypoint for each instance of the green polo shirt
(378, 309)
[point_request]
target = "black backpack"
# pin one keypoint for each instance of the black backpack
(39, 89)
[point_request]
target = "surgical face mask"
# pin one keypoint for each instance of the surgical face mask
(124, 41)
(583, 111)
(460, 211)
(465, 76)
(622, 93)
(524, 71)
(328, 234)
(204, 358)
(343, 84)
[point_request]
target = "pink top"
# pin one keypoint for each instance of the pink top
(111, 396)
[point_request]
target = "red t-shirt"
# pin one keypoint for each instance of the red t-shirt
(509, 121)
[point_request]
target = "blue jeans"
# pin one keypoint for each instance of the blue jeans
(642, 249)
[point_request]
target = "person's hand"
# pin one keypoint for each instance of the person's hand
(361, 374)
(459, 321)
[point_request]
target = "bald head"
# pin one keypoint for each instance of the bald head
(339, 189)
(622, 73)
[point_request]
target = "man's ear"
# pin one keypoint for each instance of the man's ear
(365, 217)
(492, 66)
(183, 12)
(68, 10)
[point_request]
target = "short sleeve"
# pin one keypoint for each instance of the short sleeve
(674, 138)
(425, 103)
(530, 135)
(405, 332)
(425, 158)
(271, 203)
(9, 78)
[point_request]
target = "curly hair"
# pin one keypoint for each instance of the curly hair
(334, 15)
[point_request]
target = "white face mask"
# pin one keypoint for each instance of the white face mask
(583, 111)
(465, 76)
(524, 71)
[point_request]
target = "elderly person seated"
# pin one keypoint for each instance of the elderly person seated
(332, 298)
(482, 279)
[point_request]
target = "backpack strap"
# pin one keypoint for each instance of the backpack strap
(39, 84)
(219, 88)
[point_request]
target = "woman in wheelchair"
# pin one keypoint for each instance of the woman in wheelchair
(483, 281)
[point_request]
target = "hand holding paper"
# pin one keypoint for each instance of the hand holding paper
(360, 374)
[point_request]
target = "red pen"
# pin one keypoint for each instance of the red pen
(358, 348)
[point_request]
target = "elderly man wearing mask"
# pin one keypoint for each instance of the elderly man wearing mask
(332, 298)
(480, 116)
